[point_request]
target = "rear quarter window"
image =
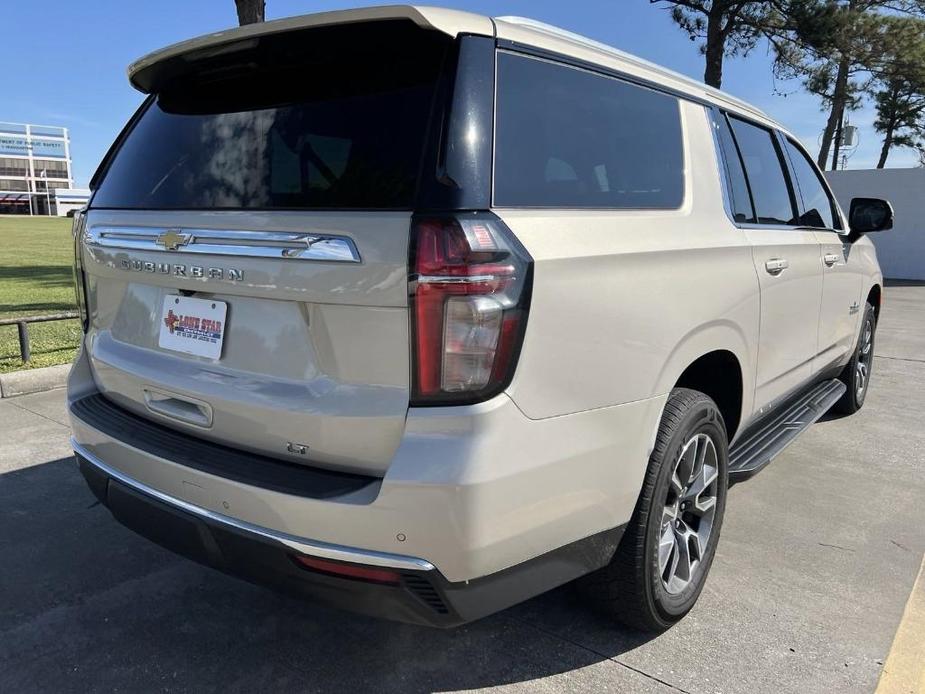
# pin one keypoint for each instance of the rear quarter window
(570, 138)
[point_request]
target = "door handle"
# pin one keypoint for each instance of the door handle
(830, 259)
(775, 266)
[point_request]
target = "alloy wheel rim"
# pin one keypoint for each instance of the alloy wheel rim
(865, 352)
(688, 515)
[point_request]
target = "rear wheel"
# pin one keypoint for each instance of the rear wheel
(856, 375)
(663, 560)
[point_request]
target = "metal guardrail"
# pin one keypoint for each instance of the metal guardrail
(22, 325)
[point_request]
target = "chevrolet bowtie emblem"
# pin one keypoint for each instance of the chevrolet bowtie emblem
(173, 239)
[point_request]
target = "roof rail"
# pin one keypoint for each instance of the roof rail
(629, 58)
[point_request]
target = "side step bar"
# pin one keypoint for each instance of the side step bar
(759, 447)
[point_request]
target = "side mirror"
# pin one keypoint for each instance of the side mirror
(870, 214)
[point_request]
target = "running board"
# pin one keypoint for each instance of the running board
(759, 447)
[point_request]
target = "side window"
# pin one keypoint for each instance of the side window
(818, 207)
(766, 177)
(566, 137)
(739, 198)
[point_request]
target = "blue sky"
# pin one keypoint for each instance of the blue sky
(69, 60)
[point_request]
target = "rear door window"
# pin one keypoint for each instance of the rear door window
(566, 137)
(766, 177)
(818, 209)
(332, 118)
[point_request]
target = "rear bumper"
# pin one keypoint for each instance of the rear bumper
(498, 506)
(419, 594)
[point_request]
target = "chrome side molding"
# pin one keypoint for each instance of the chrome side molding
(254, 244)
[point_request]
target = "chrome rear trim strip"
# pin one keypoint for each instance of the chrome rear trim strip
(301, 545)
(256, 244)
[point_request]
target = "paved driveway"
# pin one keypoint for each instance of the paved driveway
(817, 557)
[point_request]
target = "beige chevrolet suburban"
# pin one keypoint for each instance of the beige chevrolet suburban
(423, 313)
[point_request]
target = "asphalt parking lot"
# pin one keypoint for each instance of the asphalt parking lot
(818, 556)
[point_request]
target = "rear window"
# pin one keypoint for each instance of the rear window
(571, 138)
(332, 118)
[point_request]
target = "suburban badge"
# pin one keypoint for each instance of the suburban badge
(230, 274)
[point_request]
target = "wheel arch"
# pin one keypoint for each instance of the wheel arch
(726, 392)
(715, 360)
(874, 298)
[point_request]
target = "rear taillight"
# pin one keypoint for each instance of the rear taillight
(77, 230)
(470, 291)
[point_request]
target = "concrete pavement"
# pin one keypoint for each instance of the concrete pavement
(817, 558)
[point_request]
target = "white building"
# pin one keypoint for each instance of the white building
(34, 161)
(68, 200)
(902, 249)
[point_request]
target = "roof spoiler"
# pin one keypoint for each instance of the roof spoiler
(149, 73)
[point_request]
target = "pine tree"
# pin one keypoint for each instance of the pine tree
(250, 11)
(726, 28)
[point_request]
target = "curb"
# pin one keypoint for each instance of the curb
(904, 670)
(33, 380)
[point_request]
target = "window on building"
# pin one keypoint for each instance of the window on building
(13, 184)
(14, 167)
(47, 148)
(49, 131)
(766, 177)
(52, 168)
(570, 138)
(44, 184)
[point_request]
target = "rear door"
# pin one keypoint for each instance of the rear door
(842, 277)
(787, 262)
(246, 250)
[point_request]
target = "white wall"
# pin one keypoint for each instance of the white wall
(901, 250)
(67, 199)
(62, 208)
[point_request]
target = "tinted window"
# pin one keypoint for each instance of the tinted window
(329, 118)
(569, 138)
(739, 198)
(766, 177)
(818, 210)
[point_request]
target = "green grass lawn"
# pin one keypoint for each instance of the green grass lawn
(36, 278)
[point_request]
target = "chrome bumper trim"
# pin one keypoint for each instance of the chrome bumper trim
(301, 545)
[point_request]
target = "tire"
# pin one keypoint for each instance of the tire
(633, 587)
(856, 374)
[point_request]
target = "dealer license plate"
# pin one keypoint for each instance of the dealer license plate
(193, 326)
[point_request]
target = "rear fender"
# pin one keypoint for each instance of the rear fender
(706, 338)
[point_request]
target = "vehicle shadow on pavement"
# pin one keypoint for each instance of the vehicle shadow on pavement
(85, 604)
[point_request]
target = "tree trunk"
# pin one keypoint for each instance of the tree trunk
(839, 100)
(715, 48)
(887, 146)
(836, 145)
(250, 11)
